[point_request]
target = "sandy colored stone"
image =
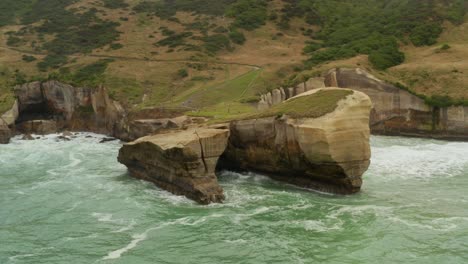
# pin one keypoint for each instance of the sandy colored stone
(314, 83)
(299, 89)
(329, 153)
(276, 97)
(182, 162)
(59, 98)
(11, 115)
(5, 133)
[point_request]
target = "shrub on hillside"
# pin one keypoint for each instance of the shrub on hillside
(28, 58)
(237, 37)
(52, 62)
(217, 42)
(248, 14)
(114, 4)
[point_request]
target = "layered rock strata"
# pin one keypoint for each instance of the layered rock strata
(327, 153)
(181, 162)
(398, 112)
(49, 107)
(280, 95)
(5, 133)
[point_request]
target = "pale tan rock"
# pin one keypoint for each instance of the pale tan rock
(182, 162)
(59, 98)
(5, 132)
(314, 83)
(29, 96)
(276, 97)
(262, 105)
(283, 95)
(290, 92)
(395, 111)
(328, 153)
(299, 89)
(11, 115)
(268, 99)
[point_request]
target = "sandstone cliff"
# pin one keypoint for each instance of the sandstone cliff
(48, 107)
(398, 112)
(327, 151)
(280, 95)
(181, 162)
(5, 132)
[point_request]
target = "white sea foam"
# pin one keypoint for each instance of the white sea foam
(420, 160)
(137, 238)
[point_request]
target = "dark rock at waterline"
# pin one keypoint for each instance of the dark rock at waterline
(107, 139)
(42, 127)
(27, 137)
(67, 134)
(64, 138)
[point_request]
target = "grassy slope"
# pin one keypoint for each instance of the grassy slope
(144, 75)
(314, 105)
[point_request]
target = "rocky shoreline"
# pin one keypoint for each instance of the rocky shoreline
(312, 137)
(327, 151)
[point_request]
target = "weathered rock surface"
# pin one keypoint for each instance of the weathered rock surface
(329, 153)
(280, 95)
(183, 162)
(11, 115)
(41, 127)
(398, 112)
(144, 127)
(72, 108)
(5, 133)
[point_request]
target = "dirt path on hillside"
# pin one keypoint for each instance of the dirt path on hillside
(256, 67)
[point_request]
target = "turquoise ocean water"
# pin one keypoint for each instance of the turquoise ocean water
(72, 202)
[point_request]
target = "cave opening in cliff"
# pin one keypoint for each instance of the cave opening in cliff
(38, 111)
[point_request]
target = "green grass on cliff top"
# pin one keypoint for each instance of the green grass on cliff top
(313, 106)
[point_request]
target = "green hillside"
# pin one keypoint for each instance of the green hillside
(215, 57)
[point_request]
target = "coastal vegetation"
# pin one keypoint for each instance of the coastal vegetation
(218, 43)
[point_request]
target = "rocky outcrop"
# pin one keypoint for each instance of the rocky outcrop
(318, 140)
(5, 133)
(49, 107)
(11, 115)
(144, 127)
(182, 162)
(398, 112)
(41, 127)
(280, 95)
(327, 153)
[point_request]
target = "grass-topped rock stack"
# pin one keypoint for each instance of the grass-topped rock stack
(319, 140)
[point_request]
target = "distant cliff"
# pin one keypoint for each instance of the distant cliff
(49, 107)
(398, 112)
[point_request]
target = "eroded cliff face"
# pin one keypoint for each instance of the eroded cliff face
(319, 140)
(181, 162)
(5, 132)
(52, 106)
(280, 95)
(329, 153)
(398, 112)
